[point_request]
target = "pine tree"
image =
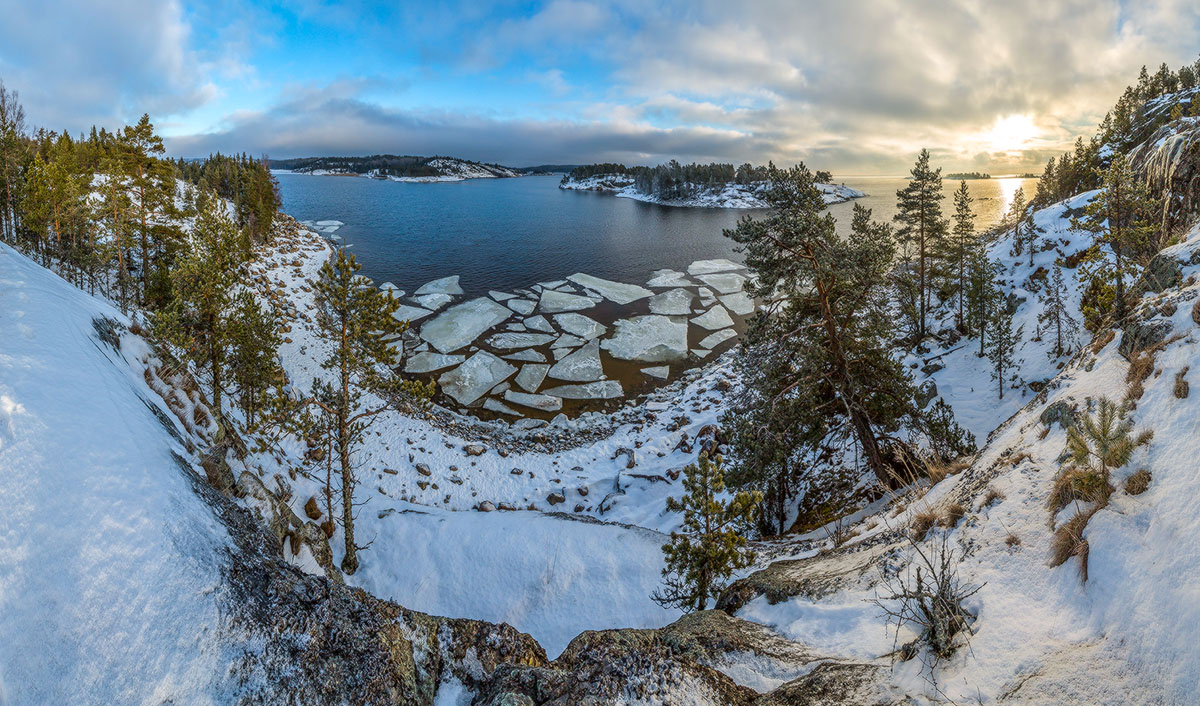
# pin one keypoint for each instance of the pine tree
(151, 185)
(1022, 226)
(919, 213)
(12, 128)
(1002, 344)
(355, 318)
(709, 547)
(1055, 315)
(200, 319)
(1102, 442)
(253, 367)
(982, 296)
(1120, 218)
(962, 244)
(1047, 187)
(824, 343)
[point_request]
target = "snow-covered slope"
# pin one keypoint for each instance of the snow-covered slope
(731, 195)
(109, 561)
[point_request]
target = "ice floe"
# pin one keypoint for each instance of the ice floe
(674, 302)
(618, 292)
(539, 323)
(500, 296)
(494, 405)
(599, 390)
(463, 323)
(579, 325)
(553, 302)
(434, 301)
(431, 362)
(716, 339)
(725, 283)
(581, 366)
(669, 278)
(531, 376)
(511, 339)
(658, 371)
(545, 403)
(410, 313)
(471, 380)
(650, 339)
(445, 285)
(524, 307)
(567, 341)
(708, 267)
(739, 303)
(529, 355)
(713, 319)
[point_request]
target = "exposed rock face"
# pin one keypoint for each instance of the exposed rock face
(1141, 335)
(813, 577)
(1170, 161)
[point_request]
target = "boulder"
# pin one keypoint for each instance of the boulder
(1139, 336)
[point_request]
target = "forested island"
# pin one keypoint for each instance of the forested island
(714, 185)
(395, 167)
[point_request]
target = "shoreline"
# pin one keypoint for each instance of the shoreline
(737, 196)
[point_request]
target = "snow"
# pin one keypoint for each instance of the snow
(581, 366)
(649, 339)
(471, 380)
(677, 302)
(618, 292)
(463, 323)
(111, 567)
(581, 326)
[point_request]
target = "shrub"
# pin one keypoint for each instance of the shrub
(1137, 483)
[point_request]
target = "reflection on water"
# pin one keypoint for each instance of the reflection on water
(510, 233)
(992, 198)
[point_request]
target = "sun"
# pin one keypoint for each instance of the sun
(1011, 133)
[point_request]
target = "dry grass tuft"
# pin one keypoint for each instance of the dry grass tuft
(992, 496)
(1012, 540)
(1102, 339)
(1016, 459)
(1068, 542)
(921, 523)
(1181, 385)
(1078, 484)
(937, 472)
(1137, 483)
(1139, 369)
(951, 514)
(1196, 311)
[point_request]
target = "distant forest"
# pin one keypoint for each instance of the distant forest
(386, 164)
(968, 175)
(679, 181)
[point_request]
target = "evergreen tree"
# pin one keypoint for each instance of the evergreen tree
(355, 318)
(1104, 441)
(709, 547)
(12, 129)
(200, 319)
(1047, 187)
(151, 184)
(1022, 227)
(962, 243)
(1055, 316)
(253, 367)
(1002, 344)
(982, 296)
(823, 344)
(1120, 219)
(919, 213)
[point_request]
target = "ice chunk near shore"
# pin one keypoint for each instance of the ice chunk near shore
(434, 301)
(445, 285)
(650, 339)
(494, 405)
(584, 327)
(669, 278)
(553, 302)
(567, 341)
(528, 355)
(726, 283)
(599, 390)
(511, 339)
(708, 267)
(556, 284)
(713, 340)
(658, 371)
(531, 376)
(471, 380)
(329, 223)
(581, 366)
(713, 319)
(675, 302)
(463, 323)
(739, 303)
(500, 296)
(410, 313)
(701, 353)
(524, 307)
(545, 403)
(431, 362)
(618, 292)
(539, 323)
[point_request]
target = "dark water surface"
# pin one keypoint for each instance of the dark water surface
(505, 233)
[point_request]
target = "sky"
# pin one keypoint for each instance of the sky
(856, 87)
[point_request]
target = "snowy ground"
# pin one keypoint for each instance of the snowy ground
(730, 196)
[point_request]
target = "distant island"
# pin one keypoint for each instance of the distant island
(968, 175)
(712, 185)
(395, 168)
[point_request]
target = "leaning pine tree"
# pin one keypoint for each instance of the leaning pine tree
(820, 351)
(709, 547)
(354, 318)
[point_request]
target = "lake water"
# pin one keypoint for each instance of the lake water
(509, 233)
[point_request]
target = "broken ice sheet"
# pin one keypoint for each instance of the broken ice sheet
(553, 302)
(716, 339)
(599, 390)
(650, 339)
(739, 303)
(463, 323)
(669, 278)
(726, 283)
(513, 339)
(445, 285)
(708, 267)
(618, 292)
(579, 325)
(546, 403)
(581, 366)
(715, 318)
(471, 380)
(430, 362)
(675, 302)
(531, 376)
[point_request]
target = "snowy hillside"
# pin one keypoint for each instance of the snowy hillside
(731, 195)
